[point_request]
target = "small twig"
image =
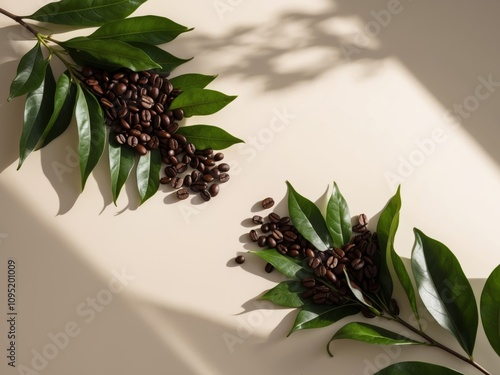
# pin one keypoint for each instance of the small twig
(20, 21)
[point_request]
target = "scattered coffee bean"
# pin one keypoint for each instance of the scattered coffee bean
(267, 203)
(240, 259)
(182, 194)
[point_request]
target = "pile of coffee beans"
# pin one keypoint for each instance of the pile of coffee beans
(136, 105)
(328, 285)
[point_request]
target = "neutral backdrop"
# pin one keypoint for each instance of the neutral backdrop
(367, 94)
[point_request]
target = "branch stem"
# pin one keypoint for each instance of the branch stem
(20, 21)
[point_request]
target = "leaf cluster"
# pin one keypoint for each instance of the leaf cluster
(118, 42)
(435, 275)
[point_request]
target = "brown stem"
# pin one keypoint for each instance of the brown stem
(20, 21)
(441, 346)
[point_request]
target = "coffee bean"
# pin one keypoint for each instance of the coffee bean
(141, 150)
(240, 259)
(218, 156)
(265, 228)
(339, 252)
(269, 268)
(308, 282)
(257, 219)
(262, 241)
(178, 114)
(330, 276)
(120, 139)
(271, 242)
(253, 235)
(282, 249)
(208, 177)
(358, 228)
(176, 183)
(119, 89)
(223, 167)
(188, 180)
(223, 177)
(274, 217)
(171, 171)
(132, 141)
(277, 235)
(358, 264)
(267, 203)
(214, 190)
(319, 298)
(182, 194)
(363, 220)
(147, 102)
(293, 253)
(289, 236)
(165, 180)
(205, 195)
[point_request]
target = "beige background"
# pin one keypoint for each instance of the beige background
(345, 91)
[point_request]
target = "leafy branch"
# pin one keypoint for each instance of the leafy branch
(141, 115)
(335, 273)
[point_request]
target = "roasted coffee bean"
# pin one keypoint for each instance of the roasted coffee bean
(205, 195)
(214, 190)
(223, 167)
(165, 180)
(284, 220)
(358, 228)
(172, 127)
(132, 141)
(319, 298)
(181, 167)
(240, 259)
(308, 293)
(269, 268)
(182, 194)
(120, 139)
(218, 156)
(267, 203)
(332, 262)
(253, 235)
(106, 103)
(257, 219)
(147, 102)
(358, 264)
(289, 236)
(200, 185)
(207, 177)
(274, 217)
(339, 252)
(293, 253)
(141, 150)
(171, 171)
(370, 271)
(282, 249)
(178, 114)
(223, 177)
(262, 241)
(215, 172)
(271, 242)
(308, 282)
(176, 182)
(277, 235)
(330, 276)
(265, 228)
(309, 253)
(144, 138)
(362, 219)
(172, 144)
(371, 249)
(119, 89)
(97, 90)
(188, 180)
(315, 262)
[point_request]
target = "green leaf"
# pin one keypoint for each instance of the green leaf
(91, 131)
(64, 104)
(308, 220)
(490, 309)
(444, 289)
(109, 53)
(286, 293)
(416, 368)
(358, 293)
(85, 12)
(201, 102)
(386, 230)
(166, 61)
(146, 29)
(318, 316)
(187, 82)
(148, 174)
(370, 334)
(338, 218)
(37, 112)
(289, 267)
(208, 136)
(121, 161)
(30, 73)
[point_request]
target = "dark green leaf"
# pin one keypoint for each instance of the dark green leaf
(338, 218)
(308, 220)
(200, 102)
(91, 131)
(490, 309)
(371, 335)
(30, 73)
(148, 174)
(146, 29)
(109, 53)
(445, 290)
(358, 293)
(386, 230)
(167, 61)
(187, 82)
(37, 112)
(85, 12)
(286, 293)
(416, 368)
(121, 161)
(318, 316)
(64, 104)
(208, 136)
(287, 266)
